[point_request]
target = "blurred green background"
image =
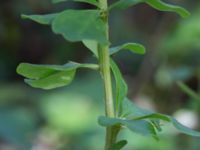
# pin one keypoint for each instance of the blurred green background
(66, 118)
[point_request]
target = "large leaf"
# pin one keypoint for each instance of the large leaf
(93, 2)
(157, 4)
(42, 19)
(119, 145)
(78, 25)
(121, 87)
(50, 76)
(133, 47)
(142, 127)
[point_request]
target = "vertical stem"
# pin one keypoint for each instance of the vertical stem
(104, 63)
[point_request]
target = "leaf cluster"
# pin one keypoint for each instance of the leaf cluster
(89, 27)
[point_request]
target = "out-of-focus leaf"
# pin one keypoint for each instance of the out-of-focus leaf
(92, 46)
(121, 87)
(133, 47)
(184, 40)
(42, 19)
(119, 145)
(157, 4)
(188, 90)
(50, 76)
(17, 127)
(184, 129)
(79, 25)
(93, 2)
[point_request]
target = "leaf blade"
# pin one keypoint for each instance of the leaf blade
(91, 27)
(133, 47)
(121, 87)
(50, 76)
(55, 80)
(156, 4)
(141, 114)
(41, 19)
(93, 2)
(92, 46)
(142, 127)
(162, 6)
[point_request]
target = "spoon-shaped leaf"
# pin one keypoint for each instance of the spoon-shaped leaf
(50, 76)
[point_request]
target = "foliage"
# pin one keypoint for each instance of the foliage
(91, 27)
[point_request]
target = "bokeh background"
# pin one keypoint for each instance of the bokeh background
(66, 118)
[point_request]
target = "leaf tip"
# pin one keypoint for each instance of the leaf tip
(23, 16)
(184, 13)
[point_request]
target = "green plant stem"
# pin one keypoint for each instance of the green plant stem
(104, 63)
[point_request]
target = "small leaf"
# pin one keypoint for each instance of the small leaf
(79, 25)
(42, 19)
(157, 4)
(142, 127)
(92, 46)
(93, 2)
(119, 145)
(162, 6)
(50, 76)
(121, 87)
(133, 47)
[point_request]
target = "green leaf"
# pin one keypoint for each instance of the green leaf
(130, 110)
(121, 87)
(50, 76)
(55, 80)
(188, 90)
(42, 19)
(162, 6)
(133, 47)
(157, 4)
(123, 4)
(79, 25)
(92, 46)
(184, 129)
(142, 127)
(134, 112)
(119, 145)
(93, 2)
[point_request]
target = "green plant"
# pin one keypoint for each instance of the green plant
(93, 32)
